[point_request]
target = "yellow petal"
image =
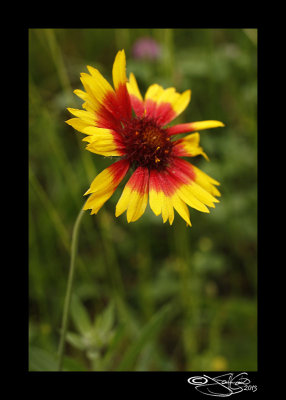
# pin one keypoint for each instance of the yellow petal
(78, 124)
(165, 208)
(200, 125)
(185, 193)
(84, 115)
(132, 87)
(119, 70)
(96, 201)
(206, 181)
(123, 202)
(102, 141)
(193, 126)
(96, 86)
(107, 148)
(98, 132)
(168, 103)
(105, 184)
(101, 83)
(170, 209)
(189, 146)
(168, 95)
(181, 208)
(155, 201)
(202, 195)
(109, 177)
(181, 103)
(137, 205)
(89, 102)
(134, 197)
(154, 92)
(101, 182)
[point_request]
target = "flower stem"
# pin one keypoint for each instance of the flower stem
(69, 288)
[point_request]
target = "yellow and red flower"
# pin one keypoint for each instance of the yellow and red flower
(143, 143)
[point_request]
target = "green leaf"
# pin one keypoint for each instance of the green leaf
(148, 334)
(80, 316)
(114, 346)
(105, 320)
(70, 364)
(75, 340)
(41, 360)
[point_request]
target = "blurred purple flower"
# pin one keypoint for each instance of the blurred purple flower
(146, 48)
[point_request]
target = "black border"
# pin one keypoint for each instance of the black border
(170, 383)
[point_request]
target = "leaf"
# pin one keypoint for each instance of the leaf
(70, 364)
(114, 346)
(75, 340)
(41, 360)
(148, 334)
(80, 316)
(105, 320)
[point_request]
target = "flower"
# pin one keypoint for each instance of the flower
(146, 48)
(120, 123)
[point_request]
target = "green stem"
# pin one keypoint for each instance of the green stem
(69, 288)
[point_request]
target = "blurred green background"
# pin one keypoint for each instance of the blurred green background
(147, 296)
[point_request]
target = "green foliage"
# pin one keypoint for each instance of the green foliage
(147, 296)
(91, 337)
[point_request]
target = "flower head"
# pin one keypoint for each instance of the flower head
(144, 144)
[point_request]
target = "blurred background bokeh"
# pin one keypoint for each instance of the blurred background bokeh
(147, 296)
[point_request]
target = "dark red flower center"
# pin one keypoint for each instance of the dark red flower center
(146, 143)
